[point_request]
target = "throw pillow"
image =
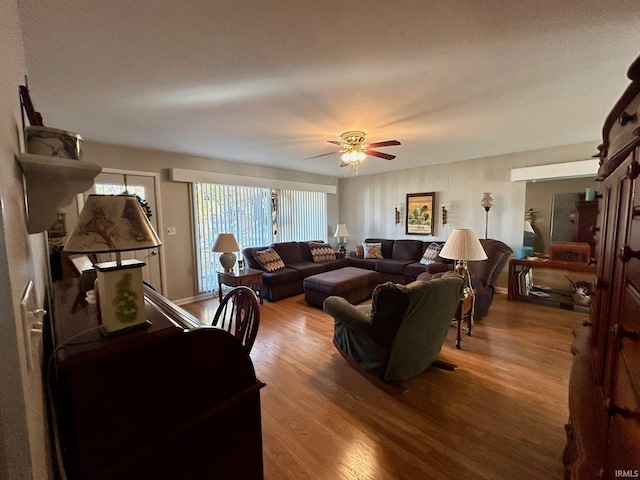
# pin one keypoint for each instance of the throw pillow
(372, 250)
(359, 251)
(431, 253)
(268, 259)
(321, 252)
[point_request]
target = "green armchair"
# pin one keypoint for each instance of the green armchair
(401, 333)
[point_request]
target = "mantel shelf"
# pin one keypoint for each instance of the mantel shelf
(49, 181)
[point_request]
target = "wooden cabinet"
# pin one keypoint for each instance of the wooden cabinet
(175, 400)
(604, 392)
(585, 223)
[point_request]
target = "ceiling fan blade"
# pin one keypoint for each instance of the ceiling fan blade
(335, 142)
(323, 155)
(388, 143)
(344, 164)
(386, 156)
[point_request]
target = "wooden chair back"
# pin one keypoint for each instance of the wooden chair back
(239, 314)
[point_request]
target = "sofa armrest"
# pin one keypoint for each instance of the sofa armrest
(339, 255)
(355, 317)
(438, 267)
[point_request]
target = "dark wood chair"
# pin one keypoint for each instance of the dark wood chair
(239, 314)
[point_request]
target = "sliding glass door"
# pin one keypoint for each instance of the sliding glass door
(256, 216)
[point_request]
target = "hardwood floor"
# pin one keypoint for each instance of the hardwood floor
(500, 415)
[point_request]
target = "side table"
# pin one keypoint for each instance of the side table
(247, 277)
(465, 309)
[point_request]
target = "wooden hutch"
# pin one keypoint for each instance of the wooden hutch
(604, 391)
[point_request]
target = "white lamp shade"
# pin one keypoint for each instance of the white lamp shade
(111, 223)
(463, 244)
(341, 230)
(225, 243)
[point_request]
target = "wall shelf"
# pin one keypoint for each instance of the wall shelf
(49, 181)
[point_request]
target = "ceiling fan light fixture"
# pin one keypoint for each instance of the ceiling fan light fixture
(354, 151)
(353, 156)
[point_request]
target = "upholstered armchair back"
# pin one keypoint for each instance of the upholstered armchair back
(422, 330)
(487, 271)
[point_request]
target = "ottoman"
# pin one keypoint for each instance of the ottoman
(351, 283)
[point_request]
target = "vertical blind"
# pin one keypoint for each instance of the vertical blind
(247, 213)
(301, 216)
(243, 211)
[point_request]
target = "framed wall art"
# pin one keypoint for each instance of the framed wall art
(420, 213)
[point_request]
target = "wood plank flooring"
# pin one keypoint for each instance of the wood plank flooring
(500, 415)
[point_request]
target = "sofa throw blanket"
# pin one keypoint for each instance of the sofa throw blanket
(321, 252)
(431, 253)
(268, 259)
(372, 250)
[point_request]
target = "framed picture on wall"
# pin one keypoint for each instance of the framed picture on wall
(420, 213)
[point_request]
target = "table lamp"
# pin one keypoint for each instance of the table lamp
(462, 246)
(226, 243)
(116, 223)
(342, 232)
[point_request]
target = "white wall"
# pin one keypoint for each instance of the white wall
(23, 257)
(366, 203)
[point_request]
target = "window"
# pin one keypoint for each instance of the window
(301, 216)
(118, 188)
(256, 216)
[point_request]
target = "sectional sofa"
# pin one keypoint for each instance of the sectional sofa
(400, 264)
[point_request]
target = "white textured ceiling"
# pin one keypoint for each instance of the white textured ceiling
(268, 82)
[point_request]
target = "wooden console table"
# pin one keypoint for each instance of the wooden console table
(517, 264)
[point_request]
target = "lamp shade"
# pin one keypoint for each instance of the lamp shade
(225, 243)
(111, 223)
(487, 200)
(341, 230)
(528, 228)
(463, 244)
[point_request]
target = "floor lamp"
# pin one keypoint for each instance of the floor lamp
(487, 203)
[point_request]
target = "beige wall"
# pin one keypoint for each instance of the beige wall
(366, 203)
(175, 199)
(23, 257)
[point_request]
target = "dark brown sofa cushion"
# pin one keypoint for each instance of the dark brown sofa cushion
(407, 250)
(281, 277)
(289, 252)
(392, 265)
(307, 268)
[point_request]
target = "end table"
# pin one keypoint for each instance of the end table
(247, 277)
(465, 309)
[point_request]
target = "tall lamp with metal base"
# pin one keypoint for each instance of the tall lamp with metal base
(116, 223)
(462, 246)
(487, 203)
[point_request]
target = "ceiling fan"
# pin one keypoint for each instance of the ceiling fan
(354, 150)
